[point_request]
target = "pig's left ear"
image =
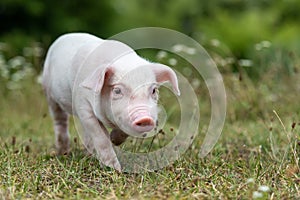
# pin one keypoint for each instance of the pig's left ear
(164, 73)
(96, 80)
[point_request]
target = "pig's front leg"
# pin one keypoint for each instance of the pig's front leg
(95, 131)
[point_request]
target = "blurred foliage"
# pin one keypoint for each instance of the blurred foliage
(231, 30)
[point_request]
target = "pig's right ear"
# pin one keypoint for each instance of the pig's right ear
(164, 73)
(96, 80)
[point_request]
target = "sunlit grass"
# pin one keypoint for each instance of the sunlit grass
(259, 149)
(257, 156)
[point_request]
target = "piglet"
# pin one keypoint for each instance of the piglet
(105, 84)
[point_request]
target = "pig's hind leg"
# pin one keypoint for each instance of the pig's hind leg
(60, 119)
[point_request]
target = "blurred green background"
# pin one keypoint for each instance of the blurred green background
(242, 36)
(240, 29)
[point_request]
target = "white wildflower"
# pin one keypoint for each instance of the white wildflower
(172, 61)
(28, 70)
(196, 83)
(16, 62)
(4, 73)
(223, 62)
(190, 50)
(17, 76)
(264, 188)
(245, 63)
(183, 48)
(215, 42)
(161, 54)
(38, 51)
(250, 180)
(263, 44)
(266, 44)
(178, 48)
(256, 195)
(39, 78)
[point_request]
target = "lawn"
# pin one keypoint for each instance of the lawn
(257, 156)
(255, 45)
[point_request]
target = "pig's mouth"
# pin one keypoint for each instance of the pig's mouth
(143, 124)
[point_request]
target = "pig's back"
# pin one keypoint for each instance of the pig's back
(59, 69)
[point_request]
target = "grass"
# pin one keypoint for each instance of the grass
(259, 147)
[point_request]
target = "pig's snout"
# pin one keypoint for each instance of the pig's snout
(144, 124)
(141, 120)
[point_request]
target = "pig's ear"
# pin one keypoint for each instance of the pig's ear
(96, 80)
(163, 74)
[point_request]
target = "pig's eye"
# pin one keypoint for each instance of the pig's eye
(154, 90)
(154, 93)
(117, 92)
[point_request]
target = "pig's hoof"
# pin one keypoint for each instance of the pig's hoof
(62, 144)
(113, 164)
(62, 151)
(117, 166)
(117, 137)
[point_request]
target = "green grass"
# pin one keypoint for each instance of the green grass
(259, 147)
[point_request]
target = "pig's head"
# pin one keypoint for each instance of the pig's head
(128, 98)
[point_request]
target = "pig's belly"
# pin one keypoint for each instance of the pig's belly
(66, 105)
(62, 95)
